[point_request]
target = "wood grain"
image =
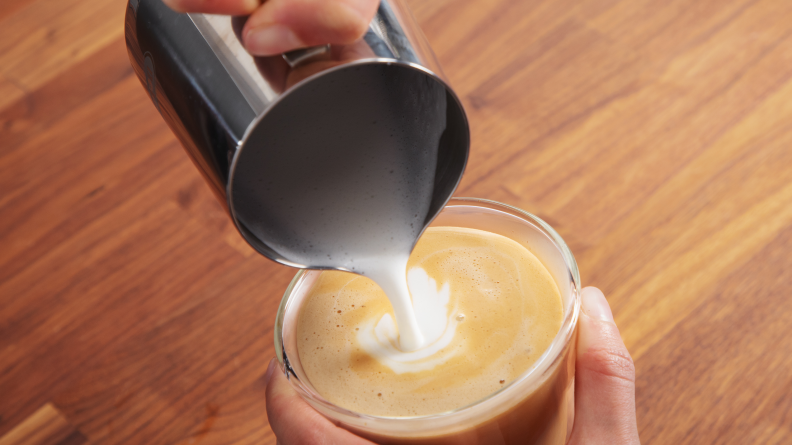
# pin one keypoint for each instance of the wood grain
(47, 426)
(654, 135)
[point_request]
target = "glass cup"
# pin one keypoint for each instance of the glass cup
(536, 408)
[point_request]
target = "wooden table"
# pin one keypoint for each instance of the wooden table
(655, 135)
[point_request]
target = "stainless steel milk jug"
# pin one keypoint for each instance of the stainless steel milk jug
(311, 136)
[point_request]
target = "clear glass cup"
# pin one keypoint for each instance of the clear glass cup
(536, 408)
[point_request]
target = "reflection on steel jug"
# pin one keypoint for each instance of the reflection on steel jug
(271, 134)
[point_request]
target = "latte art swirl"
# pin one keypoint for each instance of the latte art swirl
(436, 321)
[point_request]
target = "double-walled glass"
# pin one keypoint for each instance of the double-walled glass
(536, 408)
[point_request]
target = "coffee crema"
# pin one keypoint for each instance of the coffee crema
(486, 306)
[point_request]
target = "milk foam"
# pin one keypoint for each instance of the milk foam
(389, 274)
(436, 323)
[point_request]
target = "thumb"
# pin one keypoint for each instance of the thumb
(604, 378)
(293, 421)
(283, 25)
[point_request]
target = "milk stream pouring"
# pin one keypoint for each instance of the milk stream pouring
(333, 157)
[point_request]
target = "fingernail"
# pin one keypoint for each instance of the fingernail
(595, 305)
(251, 5)
(270, 370)
(271, 39)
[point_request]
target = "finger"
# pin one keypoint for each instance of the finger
(294, 422)
(228, 7)
(604, 378)
(283, 25)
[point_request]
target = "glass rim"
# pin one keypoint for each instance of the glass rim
(544, 363)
